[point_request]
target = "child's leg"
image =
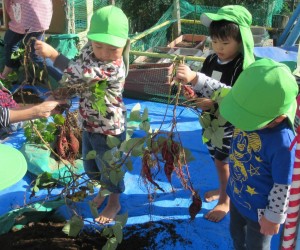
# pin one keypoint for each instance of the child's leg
(212, 195)
(98, 200)
(111, 210)
(11, 44)
(245, 233)
(222, 208)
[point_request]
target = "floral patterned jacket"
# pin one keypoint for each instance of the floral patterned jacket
(88, 69)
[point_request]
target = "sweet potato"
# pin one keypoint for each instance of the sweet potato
(169, 168)
(195, 207)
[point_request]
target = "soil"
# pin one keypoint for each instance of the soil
(29, 97)
(49, 236)
(184, 44)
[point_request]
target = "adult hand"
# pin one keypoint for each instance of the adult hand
(204, 103)
(49, 107)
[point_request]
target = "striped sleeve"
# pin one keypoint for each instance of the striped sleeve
(4, 117)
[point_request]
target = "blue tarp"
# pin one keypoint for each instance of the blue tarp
(169, 206)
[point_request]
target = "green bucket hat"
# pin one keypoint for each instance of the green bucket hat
(263, 91)
(243, 18)
(13, 166)
(109, 25)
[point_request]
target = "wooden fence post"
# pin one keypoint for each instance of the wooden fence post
(176, 15)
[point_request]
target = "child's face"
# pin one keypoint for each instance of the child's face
(226, 49)
(275, 122)
(106, 52)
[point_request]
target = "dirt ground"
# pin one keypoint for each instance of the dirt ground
(27, 96)
(49, 236)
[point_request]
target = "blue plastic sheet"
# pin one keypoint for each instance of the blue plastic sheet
(169, 206)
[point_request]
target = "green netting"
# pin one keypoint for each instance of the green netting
(79, 12)
(65, 44)
(159, 36)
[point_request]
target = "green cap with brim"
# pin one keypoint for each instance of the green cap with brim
(243, 18)
(109, 25)
(13, 166)
(263, 91)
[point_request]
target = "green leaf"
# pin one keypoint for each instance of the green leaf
(73, 226)
(221, 120)
(145, 125)
(107, 158)
(126, 146)
(135, 113)
(205, 120)
(122, 218)
(98, 91)
(113, 177)
(100, 106)
(91, 155)
(217, 137)
(138, 149)
(129, 165)
(117, 229)
(111, 244)
(129, 133)
(214, 125)
(145, 116)
(107, 232)
(112, 141)
(59, 119)
(36, 189)
(207, 134)
(94, 209)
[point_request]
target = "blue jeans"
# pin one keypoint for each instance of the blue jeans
(245, 233)
(13, 40)
(97, 169)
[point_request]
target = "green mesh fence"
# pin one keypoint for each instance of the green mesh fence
(141, 82)
(157, 38)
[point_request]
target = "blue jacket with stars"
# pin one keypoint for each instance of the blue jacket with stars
(261, 166)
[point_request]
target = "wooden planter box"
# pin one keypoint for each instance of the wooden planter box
(148, 80)
(150, 72)
(188, 41)
(163, 50)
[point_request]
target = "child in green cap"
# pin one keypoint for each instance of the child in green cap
(232, 42)
(262, 107)
(100, 61)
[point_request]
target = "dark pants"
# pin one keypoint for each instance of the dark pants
(13, 40)
(245, 233)
(98, 142)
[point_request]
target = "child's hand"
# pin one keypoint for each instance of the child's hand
(188, 92)
(45, 50)
(204, 103)
(267, 227)
(185, 75)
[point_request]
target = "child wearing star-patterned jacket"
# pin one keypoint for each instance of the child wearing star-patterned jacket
(262, 148)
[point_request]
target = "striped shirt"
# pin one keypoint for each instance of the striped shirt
(4, 117)
(29, 16)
